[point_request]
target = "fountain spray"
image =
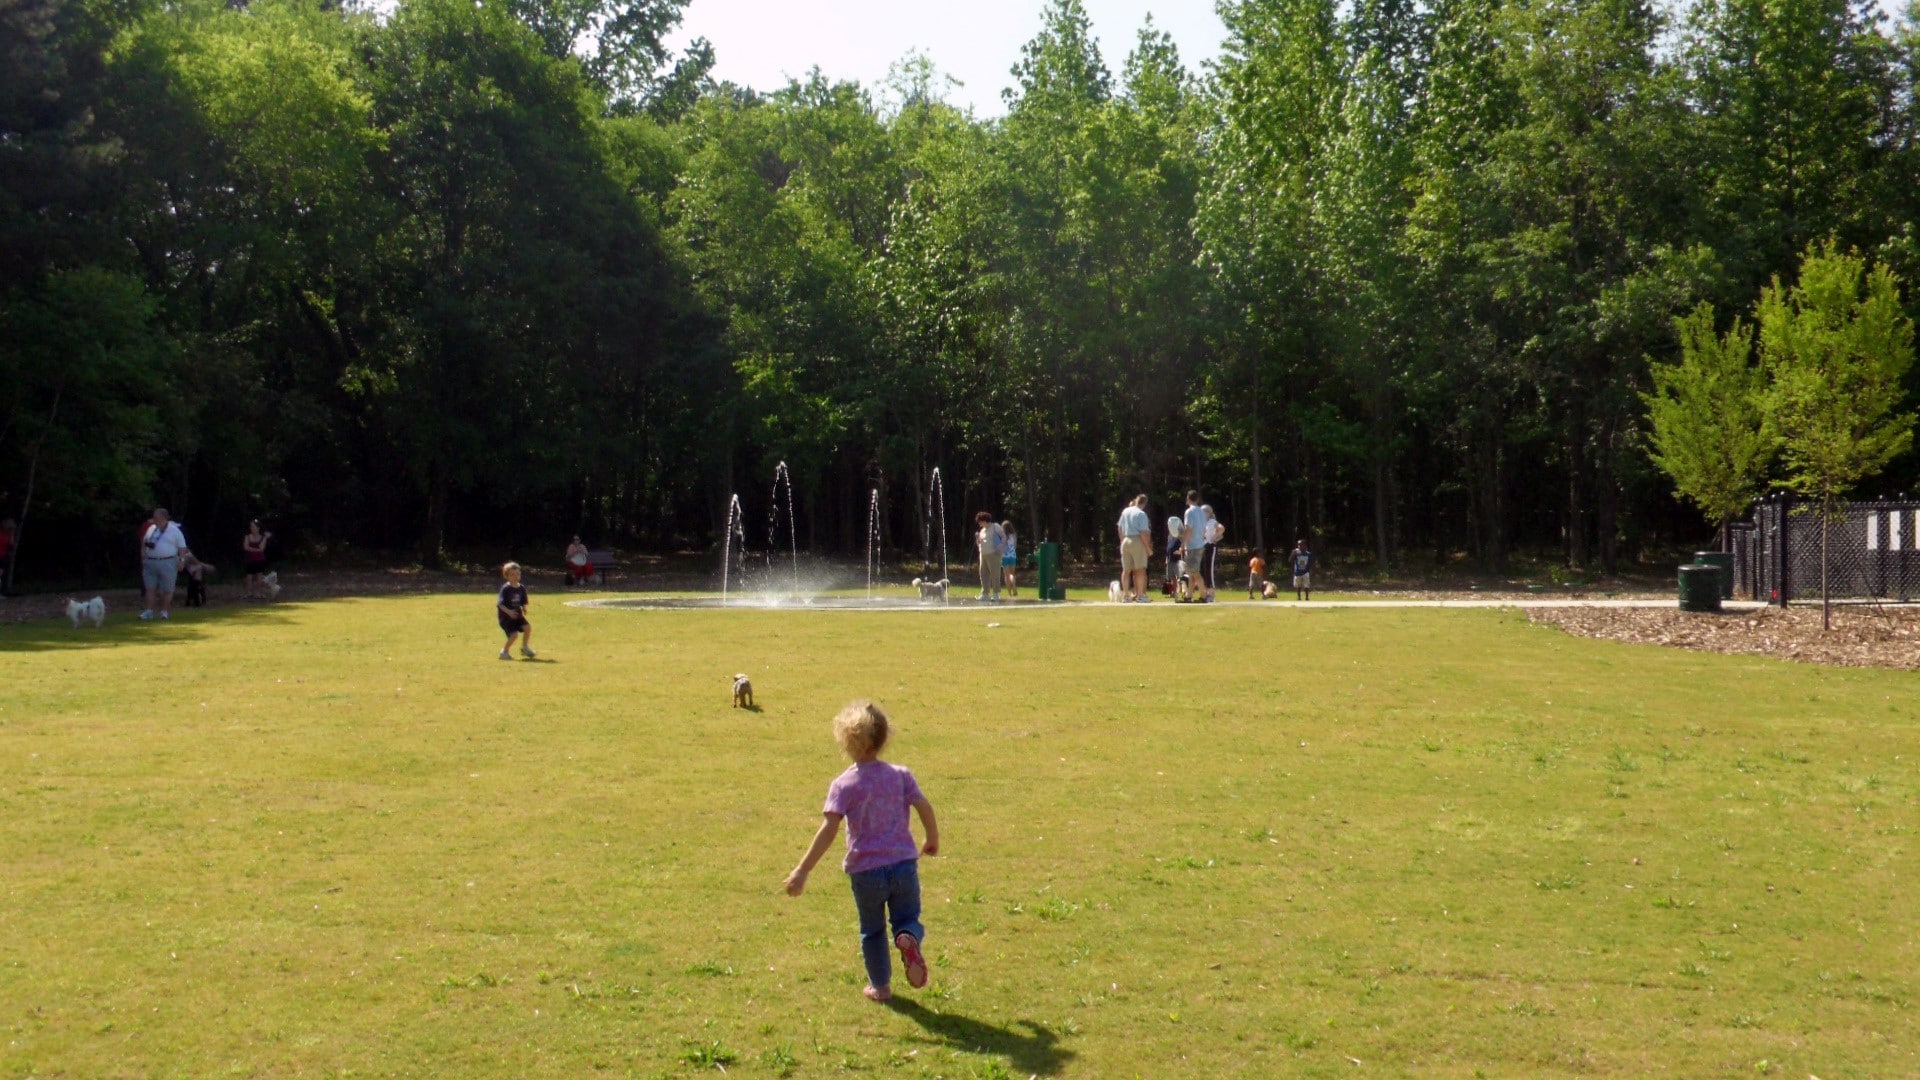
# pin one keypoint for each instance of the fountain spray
(873, 537)
(735, 528)
(783, 479)
(937, 511)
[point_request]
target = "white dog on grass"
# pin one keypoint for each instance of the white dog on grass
(93, 611)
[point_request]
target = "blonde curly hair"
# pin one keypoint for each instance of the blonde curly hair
(861, 730)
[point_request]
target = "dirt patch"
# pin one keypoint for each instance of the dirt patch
(1862, 635)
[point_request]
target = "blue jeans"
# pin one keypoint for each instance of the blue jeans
(886, 890)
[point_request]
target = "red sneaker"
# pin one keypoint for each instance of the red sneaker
(911, 959)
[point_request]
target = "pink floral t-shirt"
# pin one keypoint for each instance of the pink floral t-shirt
(874, 797)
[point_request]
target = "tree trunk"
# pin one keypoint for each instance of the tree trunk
(433, 534)
(1382, 509)
(1033, 500)
(33, 470)
(1259, 517)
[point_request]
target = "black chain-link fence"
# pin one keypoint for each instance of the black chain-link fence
(1873, 551)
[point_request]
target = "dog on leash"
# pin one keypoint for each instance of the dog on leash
(272, 581)
(742, 692)
(196, 573)
(931, 590)
(93, 611)
(1270, 592)
(1114, 594)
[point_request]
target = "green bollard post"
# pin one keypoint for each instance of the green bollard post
(1047, 559)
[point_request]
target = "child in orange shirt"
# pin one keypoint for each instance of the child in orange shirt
(1256, 577)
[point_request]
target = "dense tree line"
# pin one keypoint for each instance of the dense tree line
(1388, 273)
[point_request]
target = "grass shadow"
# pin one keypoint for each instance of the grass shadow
(124, 628)
(748, 708)
(1032, 1049)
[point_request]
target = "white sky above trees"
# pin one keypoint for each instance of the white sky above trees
(760, 43)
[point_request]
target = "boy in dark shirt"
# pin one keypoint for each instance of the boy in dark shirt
(1301, 562)
(512, 604)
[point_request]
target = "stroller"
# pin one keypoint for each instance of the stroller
(1178, 583)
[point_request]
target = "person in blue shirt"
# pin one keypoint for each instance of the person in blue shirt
(1193, 541)
(1136, 531)
(1301, 562)
(1010, 558)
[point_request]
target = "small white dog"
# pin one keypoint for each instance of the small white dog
(273, 584)
(1114, 594)
(931, 590)
(94, 611)
(742, 691)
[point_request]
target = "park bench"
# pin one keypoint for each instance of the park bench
(603, 563)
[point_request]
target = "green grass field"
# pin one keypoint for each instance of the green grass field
(341, 838)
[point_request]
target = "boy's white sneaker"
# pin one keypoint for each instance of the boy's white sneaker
(505, 655)
(147, 615)
(528, 653)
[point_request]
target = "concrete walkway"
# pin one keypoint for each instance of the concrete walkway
(1511, 602)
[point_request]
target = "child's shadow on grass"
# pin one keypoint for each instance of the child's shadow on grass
(1035, 1051)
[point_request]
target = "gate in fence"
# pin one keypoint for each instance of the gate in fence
(1873, 551)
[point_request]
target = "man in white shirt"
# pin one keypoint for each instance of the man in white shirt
(161, 546)
(991, 542)
(1136, 530)
(1194, 539)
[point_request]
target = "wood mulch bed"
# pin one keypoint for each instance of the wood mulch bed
(1863, 635)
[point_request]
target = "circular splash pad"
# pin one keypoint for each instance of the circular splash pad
(760, 602)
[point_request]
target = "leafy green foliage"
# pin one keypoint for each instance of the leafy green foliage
(1709, 428)
(1836, 346)
(1402, 277)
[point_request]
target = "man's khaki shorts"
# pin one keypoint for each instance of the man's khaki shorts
(1133, 555)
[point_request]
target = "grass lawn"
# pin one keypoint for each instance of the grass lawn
(342, 838)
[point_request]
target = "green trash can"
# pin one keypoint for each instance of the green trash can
(1700, 587)
(1723, 560)
(1046, 562)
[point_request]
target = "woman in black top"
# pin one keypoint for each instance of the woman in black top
(253, 555)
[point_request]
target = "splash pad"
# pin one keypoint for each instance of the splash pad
(776, 578)
(805, 603)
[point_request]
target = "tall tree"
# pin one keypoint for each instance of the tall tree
(1709, 429)
(87, 414)
(1274, 95)
(1360, 213)
(1837, 346)
(1795, 99)
(509, 225)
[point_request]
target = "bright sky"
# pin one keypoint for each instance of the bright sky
(760, 43)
